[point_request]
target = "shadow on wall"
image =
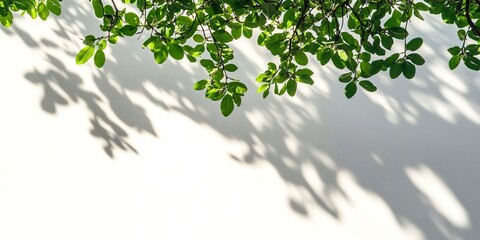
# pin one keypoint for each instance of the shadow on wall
(412, 144)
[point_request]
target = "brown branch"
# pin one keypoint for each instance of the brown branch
(469, 18)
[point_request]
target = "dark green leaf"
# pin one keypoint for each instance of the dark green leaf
(408, 70)
(454, 50)
(350, 90)
(367, 85)
(454, 61)
(345, 78)
(231, 67)
(414, 44)
(416, 58)
(129, 30)
(397, 32)
(395, 70)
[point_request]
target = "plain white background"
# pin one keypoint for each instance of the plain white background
(130, 151)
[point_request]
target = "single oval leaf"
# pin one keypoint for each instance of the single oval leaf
(84, 55)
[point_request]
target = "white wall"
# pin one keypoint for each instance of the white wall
(130, 151)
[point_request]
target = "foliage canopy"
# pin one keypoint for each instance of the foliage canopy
(357, 36)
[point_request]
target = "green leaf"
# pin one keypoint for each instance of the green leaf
(102, 44)
(84, 55)
(366, 68)
(305, 79)
(231, 68)
(184, 21)
(462, 34)
(387, 41)
(263, 87)
(132, 19)
(338, 62)
(454, 61)
(324, 56)
(398, 32)
(129, 30)
(349, 39)
(99, 58)
(98, 8)
(395, 70)
(345, 78)
(416, 58)
(391, 60)
(304, 72)
(200, 85)
(237, 33)
(408, 70)
(291, 87)
(247, 32)
(207, 64)
(227, 105)
(43, 11)
(343, 55)
(301, 58)
(367, 85)
(222, 36)
(160, 53)
(454, 50)
(89, 40)
(198, 38)
(304, 76)
(289, 18)
(175, 50)
(414, 44)
(54, 7)
(350, 89)
(22, 5)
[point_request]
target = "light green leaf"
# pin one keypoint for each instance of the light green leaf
(43, 11)
(84, 55)
(200, 85)
(98, 8)
(175, 50)
(160, 53)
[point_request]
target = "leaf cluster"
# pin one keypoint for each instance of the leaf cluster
(356, 37)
